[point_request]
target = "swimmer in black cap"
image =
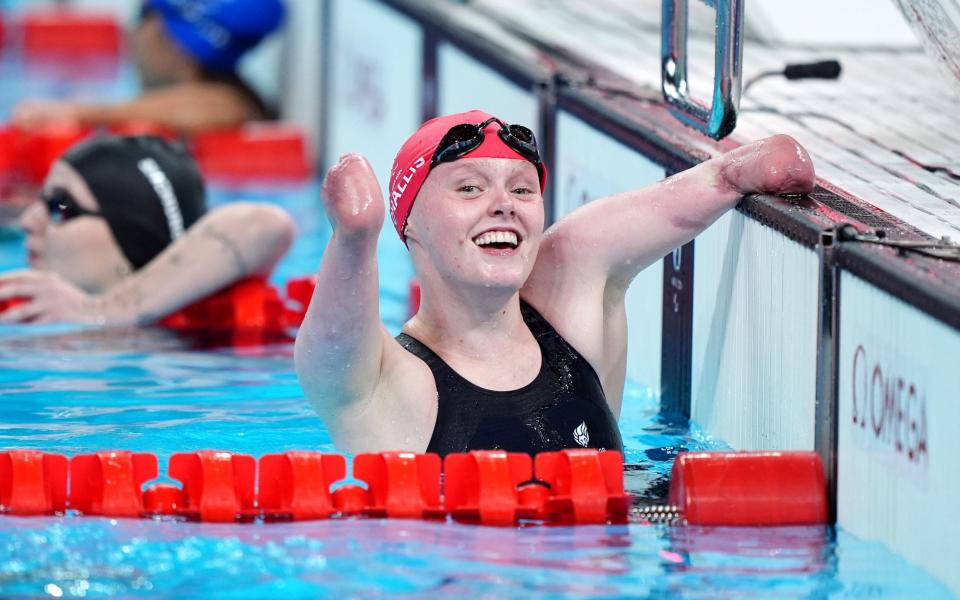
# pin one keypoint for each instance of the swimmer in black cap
(122, 236)
(186, 53)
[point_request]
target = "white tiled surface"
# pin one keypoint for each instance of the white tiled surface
(870, 133)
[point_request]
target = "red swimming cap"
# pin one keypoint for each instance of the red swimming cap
(412, 163)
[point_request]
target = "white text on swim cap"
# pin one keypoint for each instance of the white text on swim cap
(399, 188)
(164, 190)
(195, 13)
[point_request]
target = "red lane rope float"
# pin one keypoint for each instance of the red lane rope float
(248, 310)
(33, 482)
(749, 488)
(69, 33)
(41, 148)
(575, 478)
(299, 292)
(400, 484)
(11, 176)
(256, 151)
(577, 486)
(485, 487)
(8, 157)
(296, 485)
(249, 304)
(26, 155)
(216, 486)
(108, 482)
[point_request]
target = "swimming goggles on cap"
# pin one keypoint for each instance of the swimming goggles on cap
(462, 139)
(63, 206)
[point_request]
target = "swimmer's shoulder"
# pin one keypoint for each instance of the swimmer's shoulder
(404, 373)
(402, 410)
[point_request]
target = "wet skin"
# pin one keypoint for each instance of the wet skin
(373, 395)
(82, 250)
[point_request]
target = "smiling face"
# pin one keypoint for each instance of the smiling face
(478, 223)
(80, 249)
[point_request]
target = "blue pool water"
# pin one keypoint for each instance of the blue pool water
(73, 390)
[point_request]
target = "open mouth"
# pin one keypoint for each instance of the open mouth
(498, 240)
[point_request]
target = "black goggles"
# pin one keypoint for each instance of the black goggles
(462, 139)
(63, 206)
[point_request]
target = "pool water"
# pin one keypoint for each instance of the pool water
(74, 390)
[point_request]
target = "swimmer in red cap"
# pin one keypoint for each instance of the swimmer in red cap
(520, 339)
(122, 236)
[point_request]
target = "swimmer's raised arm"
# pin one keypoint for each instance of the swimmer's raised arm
(339, 347)
(617, 237)
(588, 258)
(227, 244)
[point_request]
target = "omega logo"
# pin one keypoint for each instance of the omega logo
(889, 409)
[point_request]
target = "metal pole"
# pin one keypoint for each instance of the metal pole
(827, 351)
(719, 120)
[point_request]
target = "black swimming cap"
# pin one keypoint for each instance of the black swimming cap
(149, 190)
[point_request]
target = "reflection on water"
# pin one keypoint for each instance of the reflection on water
(84, 397)
(369, 558)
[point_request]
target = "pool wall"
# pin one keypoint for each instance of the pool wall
(761, 329)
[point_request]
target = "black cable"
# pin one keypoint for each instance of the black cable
(824, 69)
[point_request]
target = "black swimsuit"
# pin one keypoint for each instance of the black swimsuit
(563, 407)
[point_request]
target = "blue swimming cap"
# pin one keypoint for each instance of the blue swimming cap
(218, 32)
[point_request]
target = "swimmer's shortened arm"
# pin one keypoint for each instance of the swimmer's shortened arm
(227, 244)
(620, 235)
(340, 345)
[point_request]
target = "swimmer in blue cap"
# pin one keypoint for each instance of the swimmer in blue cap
(122, 236)
(186, 53)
